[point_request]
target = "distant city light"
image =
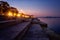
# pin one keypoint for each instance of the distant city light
(26, 16)
(14, 14)
(18, 15)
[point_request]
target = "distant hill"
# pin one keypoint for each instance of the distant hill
(48, 17)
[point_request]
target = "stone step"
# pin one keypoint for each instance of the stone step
(11, 32)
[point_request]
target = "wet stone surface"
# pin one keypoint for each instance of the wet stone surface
(35, 33)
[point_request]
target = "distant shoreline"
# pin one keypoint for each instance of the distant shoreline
(48, 17)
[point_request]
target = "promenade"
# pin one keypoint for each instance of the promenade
(32, 29)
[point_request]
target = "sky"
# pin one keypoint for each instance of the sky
(37, 7)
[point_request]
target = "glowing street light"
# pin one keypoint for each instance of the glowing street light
(10, 14)
(14, 14)
(18, 15)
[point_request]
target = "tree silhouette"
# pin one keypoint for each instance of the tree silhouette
(4, 6)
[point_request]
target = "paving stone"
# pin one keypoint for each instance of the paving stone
(35, 33)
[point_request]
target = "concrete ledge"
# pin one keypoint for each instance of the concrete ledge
(42, 24)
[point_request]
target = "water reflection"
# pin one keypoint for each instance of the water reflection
(53, 23)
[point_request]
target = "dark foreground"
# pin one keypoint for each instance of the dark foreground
(33, 29)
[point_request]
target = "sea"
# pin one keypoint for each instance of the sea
(53, 24)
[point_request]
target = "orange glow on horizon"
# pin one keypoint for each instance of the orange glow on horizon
(26, 16)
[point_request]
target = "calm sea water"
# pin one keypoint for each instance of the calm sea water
(53, 23)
